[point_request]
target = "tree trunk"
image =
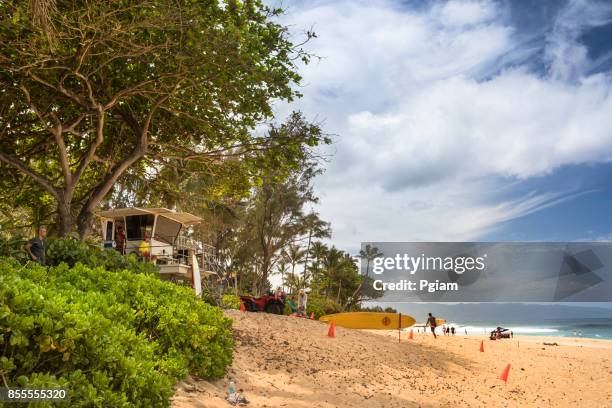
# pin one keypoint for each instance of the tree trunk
(307, 256)
(65, 220)
(264, 276)
(84, 224)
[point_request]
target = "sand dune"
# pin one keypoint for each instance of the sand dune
(282, 361)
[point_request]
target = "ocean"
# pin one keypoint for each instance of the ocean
(595, 328)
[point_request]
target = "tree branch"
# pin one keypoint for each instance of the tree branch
(55, 131)
(100, 191)
(61, 89)
(93, 147)
(41, 180)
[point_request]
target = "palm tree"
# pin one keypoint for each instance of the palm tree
(331, 266)
(283, 268)
(294, 255)
(295, 282)
(317, 228)
(318, 252)
(369, 253)
(42, 12)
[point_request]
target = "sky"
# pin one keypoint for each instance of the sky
(460, 120)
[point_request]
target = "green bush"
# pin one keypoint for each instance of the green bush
(377, 309)
(287, 310)
(72, 251)
(112, 338)
(13, 246)
(231, 301)
(321, 306)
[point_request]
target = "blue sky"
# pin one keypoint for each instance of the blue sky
(461, 120)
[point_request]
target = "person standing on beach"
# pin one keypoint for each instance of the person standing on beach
(36, 246)
(431, 322)
(302, 300)
(453, 330)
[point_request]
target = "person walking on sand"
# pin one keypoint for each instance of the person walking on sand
(36, 246)
(453, 330)
(431, 322)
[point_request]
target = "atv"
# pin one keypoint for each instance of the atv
(268, 303)
(500, 333)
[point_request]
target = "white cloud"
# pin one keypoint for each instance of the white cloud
(462, 13)
(514, 125)
(567, 56)
(445, 212)
(427, 134)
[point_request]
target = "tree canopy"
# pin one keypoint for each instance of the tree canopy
(92, 91)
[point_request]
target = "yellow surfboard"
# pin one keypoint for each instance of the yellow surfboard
(370, 320)
(439, 322)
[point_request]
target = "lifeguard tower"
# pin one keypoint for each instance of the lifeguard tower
(179, 258)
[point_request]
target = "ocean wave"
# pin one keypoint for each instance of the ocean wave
(515, 329)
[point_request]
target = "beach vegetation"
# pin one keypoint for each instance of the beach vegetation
(113, 338)
(94, 93)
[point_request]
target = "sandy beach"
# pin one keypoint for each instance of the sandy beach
(282, 361)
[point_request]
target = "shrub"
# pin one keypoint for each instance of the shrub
(287, 310)
(112, 338)
(321, 306)
(231, 301)
(13, 246)
(377, 308)
(72, 251)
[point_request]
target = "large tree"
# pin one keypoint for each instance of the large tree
(90, 90)
(276, 215)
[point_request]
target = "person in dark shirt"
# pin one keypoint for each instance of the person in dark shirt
(120, 240)
(431, 322)
(36, 246)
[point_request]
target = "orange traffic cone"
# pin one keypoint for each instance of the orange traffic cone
(481, 346)
(312, 316)
(332, 329)
(504, 375)
(242, 308)
(411, 335)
